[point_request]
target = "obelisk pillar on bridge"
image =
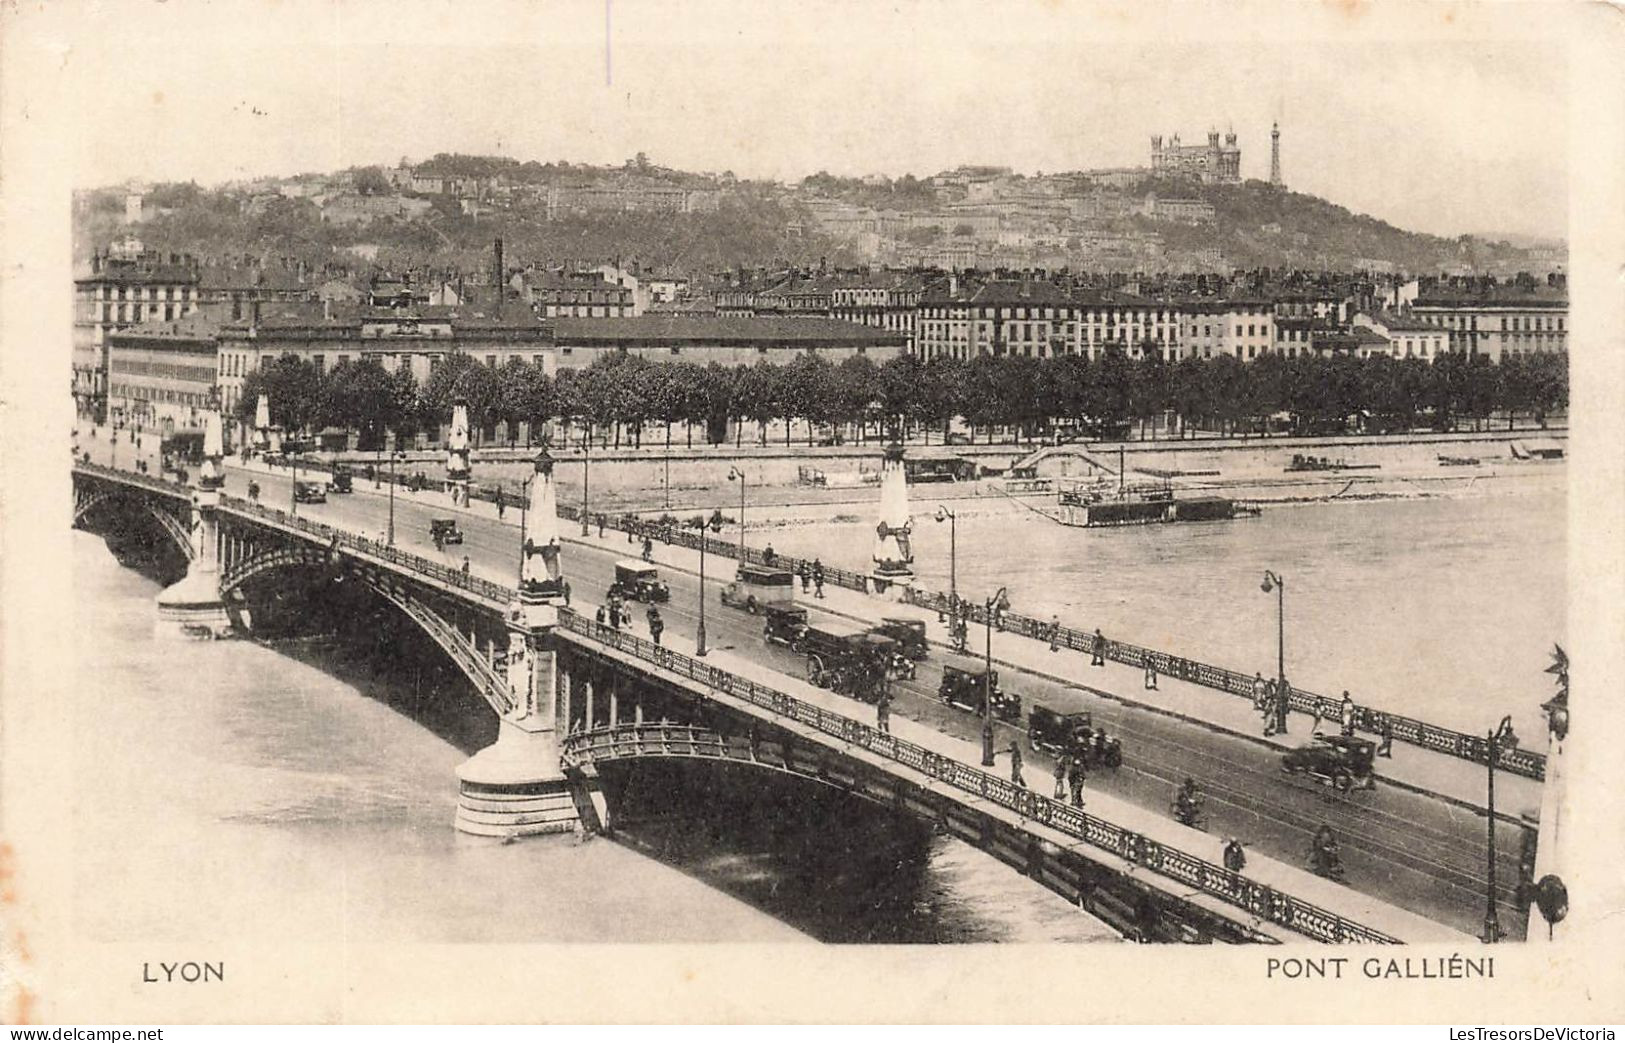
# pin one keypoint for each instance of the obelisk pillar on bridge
(893, 556)
(1551, 841)
(457, 450)
(193, 607)
(262, 423)
(516, 786)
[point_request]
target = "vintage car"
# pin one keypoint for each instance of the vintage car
(758, 586)
(1334, 760)
(309, 492)
(1072, 735)
(785, 625)
(964, 687)
(638, 581)
(847, 660)
(342, 479)
(444, 530)
(908, 633)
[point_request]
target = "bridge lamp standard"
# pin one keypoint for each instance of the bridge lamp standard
(394, 455)
(997, 603)
(1502, 736)
(945, 515)
(736, 475)
(715, 525)
(586, 476)
(1274, 582)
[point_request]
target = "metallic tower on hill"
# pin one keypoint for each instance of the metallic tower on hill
(1275, 155)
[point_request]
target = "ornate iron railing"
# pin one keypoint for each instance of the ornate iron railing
(1256, 898)
(1475, 748)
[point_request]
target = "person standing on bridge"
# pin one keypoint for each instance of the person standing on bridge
(818, 577)
(883, 713)
(1386, 747)
(600, 615)
(806, 575)
(1060, 777)
(1077, 777)
(1055, 637)
(1260, 693)
(1098, 647)
(1150, 672)
(1015, 766)
(502, 503)
(465, 564)
(657, 626)
(1347, 713)
(564, 588)
(648, 549)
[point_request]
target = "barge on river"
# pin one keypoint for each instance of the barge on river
(1092, 507)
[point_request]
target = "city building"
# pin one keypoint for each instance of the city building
(729, 340)
(125, 286)
(1212, 163)
(162, 373)
(358, 209)
(1407, 336)
(1238, 326)
(576, 294)
(1186, 211)
(1498, 322)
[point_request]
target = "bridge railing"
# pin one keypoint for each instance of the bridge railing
(405, 560)
(1475, 748)
(1209, 878)
(158, 485)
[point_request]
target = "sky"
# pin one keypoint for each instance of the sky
(1447, 118)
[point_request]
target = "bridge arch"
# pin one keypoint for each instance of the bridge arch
(487, 679)
(177, 530)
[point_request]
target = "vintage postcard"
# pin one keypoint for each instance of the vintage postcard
(623, 511)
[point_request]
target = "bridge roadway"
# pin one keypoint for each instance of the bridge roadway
(1410, 849)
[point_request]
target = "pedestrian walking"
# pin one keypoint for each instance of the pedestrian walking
(601, 521)
(465, 564)
(818, 577)
(1150, 673)
(564, 588)
(657, 626)
(1235, 859)
(502, 503)
(1386, 747)
(1315, 719)
(1015, 766)
(806, 576)
(883, 714)
(1347, 713)
(1260, 691)
(1283, 703)
(1098, 647)
(1055, 636)
(648, 549)
(1060, 778)
(768, 557)
(600, 615)
(1076, 779)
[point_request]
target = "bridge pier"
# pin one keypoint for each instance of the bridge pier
(193, 607)
(517, 787)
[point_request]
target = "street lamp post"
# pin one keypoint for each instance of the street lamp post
(944, 514)
(1492, 925)
(395, 454)
(1273, 581)
(699, 632)
(736, 475)
(586, 476)
(293, 481)
(996, 602)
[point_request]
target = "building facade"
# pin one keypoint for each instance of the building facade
(1212, 163)
(125, 286)
(162, 375)
(730, 341)
(1498, 324)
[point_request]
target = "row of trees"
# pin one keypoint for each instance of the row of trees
(624, 396)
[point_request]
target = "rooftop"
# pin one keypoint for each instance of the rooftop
(720, 330)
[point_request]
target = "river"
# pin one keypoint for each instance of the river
(1443, 608)
(303, 791)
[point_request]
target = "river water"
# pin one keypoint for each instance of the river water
(1442, 608)
(303, 791)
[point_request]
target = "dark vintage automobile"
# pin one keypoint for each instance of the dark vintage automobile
(309, 492)
(964, 687)
(444, 530)
(1341, 761)
(342, 480)
(785, 625)
(908, 633)
(847, 660)
(1072, 735)
(638, 581)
